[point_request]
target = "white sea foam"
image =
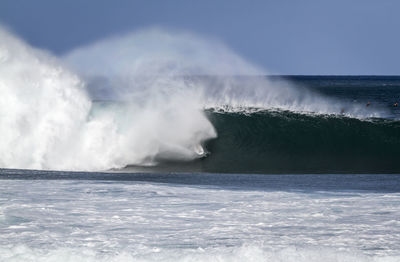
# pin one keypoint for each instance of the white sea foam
(112, 221)
(46, 119)
(244, 253)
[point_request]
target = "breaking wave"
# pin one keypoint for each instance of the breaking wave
(47, 119)
(135, 99)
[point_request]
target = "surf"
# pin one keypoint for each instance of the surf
(140, 99)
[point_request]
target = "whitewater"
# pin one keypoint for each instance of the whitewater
(82, 220)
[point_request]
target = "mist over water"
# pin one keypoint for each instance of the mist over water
(131, 100)
(163, 63)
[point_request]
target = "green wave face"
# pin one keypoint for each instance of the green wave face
(287, 142)
(282, 142)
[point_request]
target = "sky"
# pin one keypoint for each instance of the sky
(312, 37)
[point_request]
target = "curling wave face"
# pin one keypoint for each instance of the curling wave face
(137, 99)
(275, 142)
(287, 142)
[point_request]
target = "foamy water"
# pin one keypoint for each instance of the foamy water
(46, 120)
(130, 221)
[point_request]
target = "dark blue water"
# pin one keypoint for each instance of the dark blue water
(283, 182)
(380, 91)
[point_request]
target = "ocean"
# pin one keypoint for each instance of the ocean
(282, 183)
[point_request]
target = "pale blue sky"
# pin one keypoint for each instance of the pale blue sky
(286, 37)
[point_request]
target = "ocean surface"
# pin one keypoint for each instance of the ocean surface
(274, 184)
(66, 216)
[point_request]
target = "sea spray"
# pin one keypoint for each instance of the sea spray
(138, 65)
(43, 107)
(47, 120)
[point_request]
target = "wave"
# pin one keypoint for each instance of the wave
(47, 119)
(288, 142)
(160, 84)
